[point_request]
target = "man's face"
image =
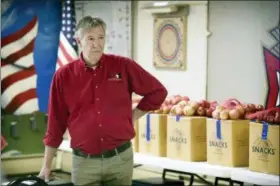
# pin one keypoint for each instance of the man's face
(92, 43)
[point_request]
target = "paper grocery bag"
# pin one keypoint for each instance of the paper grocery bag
(152, 134)
(186, 138)
(228, 142)
(264, 148)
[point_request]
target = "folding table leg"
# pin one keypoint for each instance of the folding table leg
(217, 179)
(232, 182)
(137, 165)
(186, 173)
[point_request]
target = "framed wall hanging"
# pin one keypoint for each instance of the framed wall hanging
(170, 31)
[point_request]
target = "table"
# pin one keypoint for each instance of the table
(192, 167)
(230, 174)
(166, 163)
(257, 178)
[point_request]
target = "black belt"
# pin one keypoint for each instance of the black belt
(106, 154)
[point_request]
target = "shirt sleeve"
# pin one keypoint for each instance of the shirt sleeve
(145, 84)
(57, 113)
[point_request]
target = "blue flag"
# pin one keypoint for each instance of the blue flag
(31, 42)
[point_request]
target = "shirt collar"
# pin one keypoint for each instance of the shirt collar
(99, 65)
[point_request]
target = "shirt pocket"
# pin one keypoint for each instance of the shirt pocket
(117, 92)
(78, 98)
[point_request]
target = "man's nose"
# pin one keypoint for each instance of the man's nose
(95, 42)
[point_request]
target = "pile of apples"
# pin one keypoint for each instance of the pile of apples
(271, 115)
(170, 102)
(193, 108)
(183, 106)
(232, 109)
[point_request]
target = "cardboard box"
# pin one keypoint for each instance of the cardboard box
(152, 134)
(135, 140)
(228, 142)
(186, 138)
(264, 148)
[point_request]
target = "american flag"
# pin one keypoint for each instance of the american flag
(67, 51)
(18, 75)
(30, 53)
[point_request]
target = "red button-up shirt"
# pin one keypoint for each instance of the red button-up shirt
(96, 104)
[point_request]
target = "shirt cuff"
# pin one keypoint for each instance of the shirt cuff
(55, 143)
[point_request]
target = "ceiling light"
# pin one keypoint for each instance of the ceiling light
(164, 3)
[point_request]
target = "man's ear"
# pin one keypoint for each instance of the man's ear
(78, 41)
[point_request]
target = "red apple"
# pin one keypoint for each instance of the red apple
(182, 103)
(173, 110)
(178, 96)
(179, 110)
(186, 98)
(165, 109)
(209, 112)
(270, 119)
(201, 111)
(213, 104)
(259, 107)
(204, 103)
(277, 118)
(176, 100)
(252, 107)
(167, 101)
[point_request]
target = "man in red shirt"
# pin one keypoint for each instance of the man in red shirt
(91, 97)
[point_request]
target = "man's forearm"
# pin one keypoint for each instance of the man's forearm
(49, 154)
(137, 114)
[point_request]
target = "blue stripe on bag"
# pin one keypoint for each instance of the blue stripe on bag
(148, 128)
(264, 131)
(218, 129)
(177, 118)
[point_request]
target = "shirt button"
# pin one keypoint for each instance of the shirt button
(101, 139)
(99, 125)
(94, 74)
(97, 99)
(98, 112)
(96, 86)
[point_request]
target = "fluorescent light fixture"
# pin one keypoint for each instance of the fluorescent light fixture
(165, 9)
(163, 3)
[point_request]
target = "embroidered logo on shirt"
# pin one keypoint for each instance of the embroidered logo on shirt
(115, 77)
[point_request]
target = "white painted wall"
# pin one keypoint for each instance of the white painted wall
(235, 57)
(191, 82)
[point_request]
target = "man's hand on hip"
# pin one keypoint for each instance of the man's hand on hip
(137, 114)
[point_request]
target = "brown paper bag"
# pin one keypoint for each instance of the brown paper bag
(152, 134)
(228, 142)
(186, 138)
(264, 148)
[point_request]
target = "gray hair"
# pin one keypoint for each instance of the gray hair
(89, 22)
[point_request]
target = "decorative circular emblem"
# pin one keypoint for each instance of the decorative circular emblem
(169, 42)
